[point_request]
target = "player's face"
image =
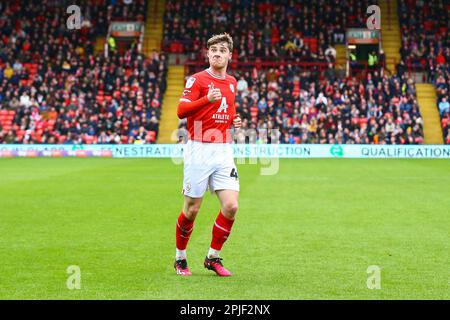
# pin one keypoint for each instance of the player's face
(219, 55)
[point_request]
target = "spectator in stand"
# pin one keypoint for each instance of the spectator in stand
(330, 53)
(444, 107)
(242, 87)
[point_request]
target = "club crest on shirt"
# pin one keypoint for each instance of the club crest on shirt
(231, 87)
(190, 82)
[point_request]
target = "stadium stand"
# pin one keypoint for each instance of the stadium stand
(426, 47)
(442, 84)
(304, 99)
(269, 30)
(54, 90)
(306, 109)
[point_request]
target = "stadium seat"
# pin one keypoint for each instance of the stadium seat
(363, 121)
(254, 112)
(151, 136)
(88, 139)
(312, 43)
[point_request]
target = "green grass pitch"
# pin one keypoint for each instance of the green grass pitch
(309, 232)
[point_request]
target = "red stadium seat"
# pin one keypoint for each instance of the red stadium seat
(173, 47)
(254, 112)
(151, 136)
(88, 139)
(363, 121)
(176, 47)
(312, 43)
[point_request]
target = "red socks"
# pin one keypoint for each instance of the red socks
(221, 231)
(184, 230)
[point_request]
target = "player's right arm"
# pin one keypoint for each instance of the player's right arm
(191, 101)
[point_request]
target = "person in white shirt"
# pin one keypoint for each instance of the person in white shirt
(242, 86)
(25, 100)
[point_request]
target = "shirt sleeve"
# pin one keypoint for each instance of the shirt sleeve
(191, 90)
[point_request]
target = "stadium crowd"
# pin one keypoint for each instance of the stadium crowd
(270, 30)
(54, 89)
(426, 46)
(306, 108)
(442, 84)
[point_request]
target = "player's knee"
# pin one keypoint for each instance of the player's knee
(230, 208)
(192, 211)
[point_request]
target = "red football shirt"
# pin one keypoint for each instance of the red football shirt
(213, 121)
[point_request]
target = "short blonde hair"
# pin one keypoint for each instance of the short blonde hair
(218, 38)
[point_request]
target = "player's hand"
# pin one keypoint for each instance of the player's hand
(237, 122)
(214, 94)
